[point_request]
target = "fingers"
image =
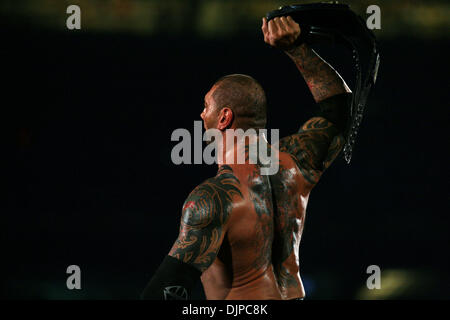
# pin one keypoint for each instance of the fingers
(265, 30)
(291, 21)
(279, 25)
(264, 25)
(283, 24)
(294, 25)
(280, 31)
(273, 28)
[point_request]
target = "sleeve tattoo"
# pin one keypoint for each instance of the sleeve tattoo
(204, 218)
(314, 147)
(322, 80)
(319, 140)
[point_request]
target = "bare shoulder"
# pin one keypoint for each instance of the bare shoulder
(211, 201)
(203, 221)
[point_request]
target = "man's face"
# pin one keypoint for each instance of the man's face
(210, 113)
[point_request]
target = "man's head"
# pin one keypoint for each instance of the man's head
(235, 101)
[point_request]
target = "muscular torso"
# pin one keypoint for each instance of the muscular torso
(258, 258)
(242, 230)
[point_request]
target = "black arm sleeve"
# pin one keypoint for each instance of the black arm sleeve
(336, 109)
(173, 280)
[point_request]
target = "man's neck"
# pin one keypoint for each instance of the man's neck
(236, 151)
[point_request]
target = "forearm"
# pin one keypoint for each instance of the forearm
(174, 280)
(323, 81)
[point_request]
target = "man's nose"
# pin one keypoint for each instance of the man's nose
(202, 114)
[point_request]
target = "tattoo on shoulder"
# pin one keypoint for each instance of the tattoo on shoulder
(205, 213)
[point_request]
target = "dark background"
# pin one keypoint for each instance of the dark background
(89, 180)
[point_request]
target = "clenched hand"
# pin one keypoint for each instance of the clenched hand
(281, 32)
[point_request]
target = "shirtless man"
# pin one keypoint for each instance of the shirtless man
(240, 231)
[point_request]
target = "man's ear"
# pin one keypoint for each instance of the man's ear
(226, 117)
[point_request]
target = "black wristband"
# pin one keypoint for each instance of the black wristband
(173, 280)
(336, 109)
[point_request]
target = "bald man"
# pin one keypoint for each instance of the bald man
(240, 231)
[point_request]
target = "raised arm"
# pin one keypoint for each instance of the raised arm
(320, 139)
(323, 81)
(202, 229)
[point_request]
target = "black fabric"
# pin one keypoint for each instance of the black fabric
(173, 280)
(336, 109)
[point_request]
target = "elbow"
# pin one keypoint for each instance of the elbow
(336, 109)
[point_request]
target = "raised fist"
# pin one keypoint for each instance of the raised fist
(281, 32)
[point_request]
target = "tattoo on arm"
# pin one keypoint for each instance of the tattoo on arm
(314, 147)
(321, 78)
(203, 222)
(319, 141)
